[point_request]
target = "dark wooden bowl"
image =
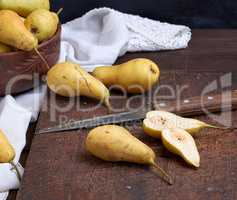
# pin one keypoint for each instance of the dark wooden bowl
(21, 71)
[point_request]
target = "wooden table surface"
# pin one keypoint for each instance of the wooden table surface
(58, 167)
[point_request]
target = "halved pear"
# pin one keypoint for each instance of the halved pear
(156, 121)
(180, 142)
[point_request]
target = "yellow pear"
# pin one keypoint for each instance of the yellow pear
(14, 33)
(7, 152)
(156, 121)
(115, 143)
(180, 142)
(69, 79)
(42, 23)
(135, 76)
(24, 7)
(4, 48)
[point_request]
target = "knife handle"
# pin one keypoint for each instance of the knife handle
(224, 101)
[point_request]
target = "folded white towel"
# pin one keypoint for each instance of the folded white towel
(14, 122)
(102, 35)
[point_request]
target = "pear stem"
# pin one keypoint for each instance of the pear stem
(165, 175)
(17, 170)
(107, 104)
(222, 128)
(59, 11)
(42, 58)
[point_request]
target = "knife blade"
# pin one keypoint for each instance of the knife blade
(99, 120)
(188, 107)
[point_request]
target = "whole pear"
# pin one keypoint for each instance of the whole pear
(4, 48)
(69, 79)
(115, 143)
(135, 76)
(14, 33)
(24, 7)
(42, 23)
(7, 152)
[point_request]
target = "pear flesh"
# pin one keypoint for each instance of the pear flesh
(156, 121)
(14, 33)
(115, 143)
(42, 24)
(69, 79)
(180, 142)
(24, 7)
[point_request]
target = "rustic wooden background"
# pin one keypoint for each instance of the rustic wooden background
(58, 167)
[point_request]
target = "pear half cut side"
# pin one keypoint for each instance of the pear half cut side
(180, 142)
(156, 121)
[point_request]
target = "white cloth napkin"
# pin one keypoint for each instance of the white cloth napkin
(15, 116)
(102, 35)
(14, 122)
(97, 38)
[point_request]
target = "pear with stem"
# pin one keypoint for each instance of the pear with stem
(70, 79)
(156, 121)
(7, 153)
(116, 144)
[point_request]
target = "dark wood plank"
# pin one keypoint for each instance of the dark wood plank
(67, 170)
(58, 166)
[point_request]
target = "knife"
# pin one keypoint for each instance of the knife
(224, 101)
